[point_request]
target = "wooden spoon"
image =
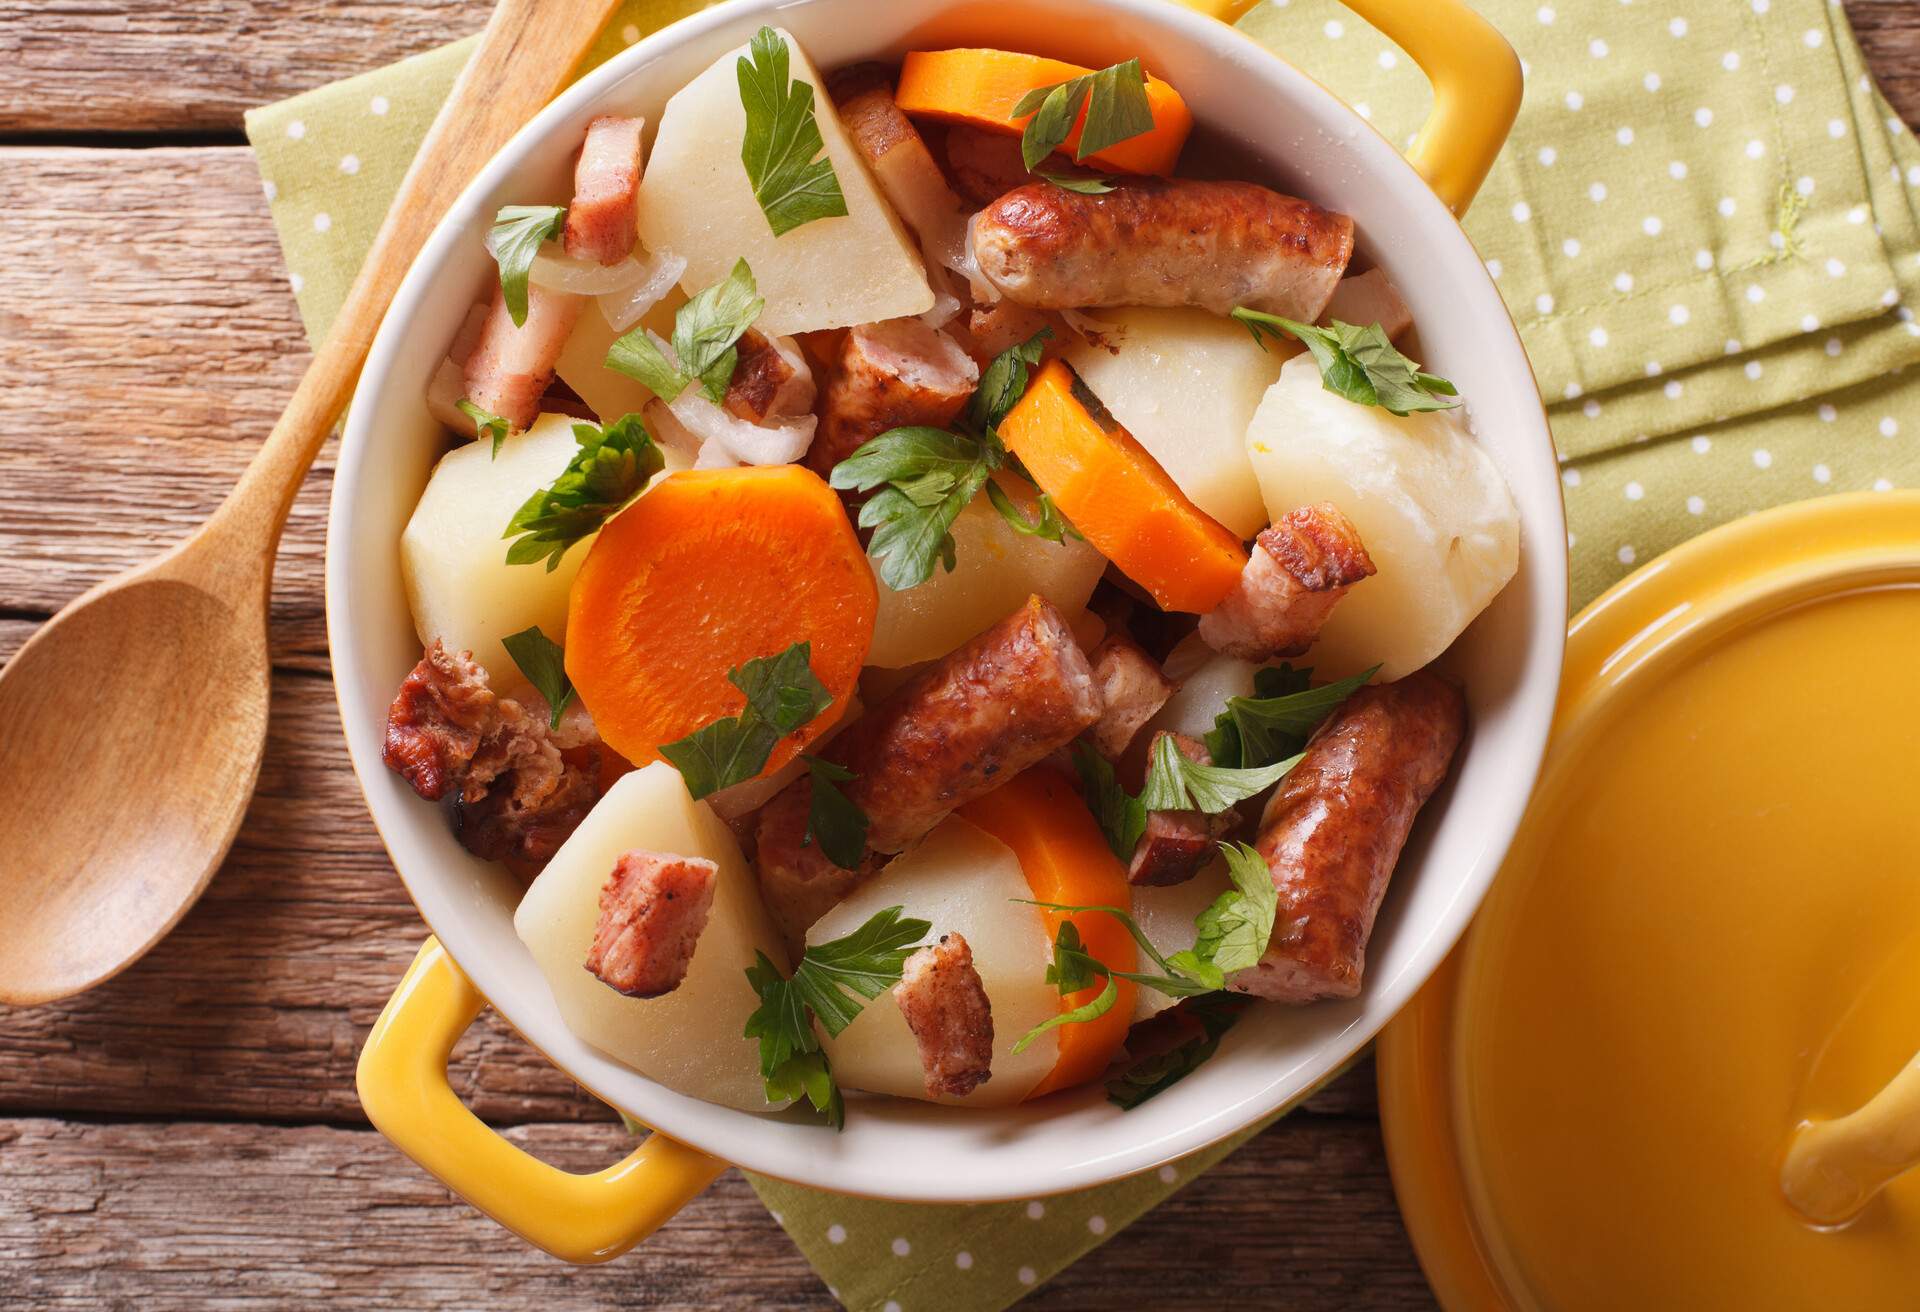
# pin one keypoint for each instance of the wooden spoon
(131, 724)
(1834, 1168)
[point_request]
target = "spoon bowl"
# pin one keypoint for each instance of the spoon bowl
(135, 722)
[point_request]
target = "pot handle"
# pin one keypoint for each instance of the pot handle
(578, 1218)
(1476, 85)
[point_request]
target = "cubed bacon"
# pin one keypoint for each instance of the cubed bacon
(1299, 569)
(652, 911)
(890, 375)
(449, 735)
(1132, 690)
(606, 191)
(510, 367)
(994, 328)
(1368, 298)
(771, 381)
(946, 1007)
(1177, 844)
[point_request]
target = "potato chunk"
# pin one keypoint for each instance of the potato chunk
(1165, 914)
(697, 201)
(1433, 511)
(459, 586)
(690, 1039)
(962, 880)
(996, 568)
(1185, 383)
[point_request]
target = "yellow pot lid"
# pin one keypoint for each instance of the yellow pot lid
(1708, 929)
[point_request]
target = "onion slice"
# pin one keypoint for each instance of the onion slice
(622, 309)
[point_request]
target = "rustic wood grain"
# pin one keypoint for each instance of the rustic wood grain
(240, 1217)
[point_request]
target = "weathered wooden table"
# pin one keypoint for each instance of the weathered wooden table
(187, 1135)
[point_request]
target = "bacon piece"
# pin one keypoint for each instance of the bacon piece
(1132, 690)
(1301, 567)
(899, 159)
(946, 1007)
(984, 165)
(1368, 298)
(994, 328)
(771, 381)
(1176, 844)
(894, 374)
(652, 910)
(449, 735)
(601, 222)
(510, 367)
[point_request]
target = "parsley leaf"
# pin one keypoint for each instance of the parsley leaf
(1121, 816)
(1215, 1013)
(540, 658)
(1358, 363)
(610, 469)
(1086, 186)
(515, 239)
(929, 475)
(1051, 525)
(1117, 110)
(485, 424)
(838, 824)
(781, 140)
(1005, 381)
(1235, 928)
(782, 694)
(1098, 1007)
(1278, 719)
(1176, 784)
(864, 963)
(705, 331)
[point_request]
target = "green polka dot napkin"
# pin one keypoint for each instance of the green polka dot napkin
(1704, 225)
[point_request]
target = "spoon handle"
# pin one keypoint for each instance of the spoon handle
(1834, 1168)
(526, 54)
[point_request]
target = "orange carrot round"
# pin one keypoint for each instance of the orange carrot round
(1066, 859)
(980, 87)
(709, 570)
(1117, 494)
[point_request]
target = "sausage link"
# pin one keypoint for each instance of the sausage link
(967, 723)
(1163, 242)
(1335, 827)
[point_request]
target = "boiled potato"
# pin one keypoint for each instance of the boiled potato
(1206, 680)
(1434, 512)
(1165, 915)
(962, 880)
(995, 569)
(1185, 383)
(697, 201)
(689, 1040)
(454, 561)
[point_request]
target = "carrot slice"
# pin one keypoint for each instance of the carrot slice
(1119, 496)
(708, 570)
(980, 87)
(1065, 858)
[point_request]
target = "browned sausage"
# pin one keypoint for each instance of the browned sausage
(652, 911)
(1163, 242)
(606, 191)
(965, 724)
(1300, 567)
(984, 165)
(894, 374)
(1335, 827)
(945, 1005)
(1132, 687)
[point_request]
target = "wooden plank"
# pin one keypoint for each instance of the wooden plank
(164, 66)
(150, 344)
(159, 66)
(194, 1215)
